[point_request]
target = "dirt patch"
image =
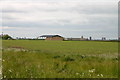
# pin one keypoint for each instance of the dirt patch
(17, 47)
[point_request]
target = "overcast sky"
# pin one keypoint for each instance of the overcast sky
(68, 18)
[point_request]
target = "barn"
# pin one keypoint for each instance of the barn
(52, 37)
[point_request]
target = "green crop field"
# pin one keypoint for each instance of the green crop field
(59, 59)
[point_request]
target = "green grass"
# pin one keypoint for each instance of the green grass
(0, 59)
(59, 59)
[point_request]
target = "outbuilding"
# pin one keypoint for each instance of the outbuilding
(52, 37)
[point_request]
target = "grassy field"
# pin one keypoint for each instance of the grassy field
(59, 59)
(0, 58)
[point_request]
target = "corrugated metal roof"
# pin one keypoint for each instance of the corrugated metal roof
(50, 36)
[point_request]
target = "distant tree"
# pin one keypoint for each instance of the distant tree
(6, 37)
(0, 37)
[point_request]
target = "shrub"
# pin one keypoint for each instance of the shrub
(68, 59)
(56, 56)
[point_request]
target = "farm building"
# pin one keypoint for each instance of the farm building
(52, 37)
(77, 39)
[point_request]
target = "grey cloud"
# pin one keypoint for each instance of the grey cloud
(99, 19)
(95, 9)
(57, 6)
(11, 11)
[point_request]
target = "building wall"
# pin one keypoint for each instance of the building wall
(54, 38)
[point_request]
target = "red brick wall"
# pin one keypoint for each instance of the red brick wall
(54, 38)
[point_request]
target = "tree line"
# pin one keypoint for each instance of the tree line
(5, 37)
